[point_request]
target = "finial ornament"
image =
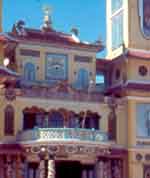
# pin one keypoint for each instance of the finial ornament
(47, 16)
(47, 9)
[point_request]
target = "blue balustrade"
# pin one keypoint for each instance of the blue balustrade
(63, 134)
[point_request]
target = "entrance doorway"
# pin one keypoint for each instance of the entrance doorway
(68, 169)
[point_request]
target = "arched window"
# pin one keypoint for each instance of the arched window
(56, 120)
(29, 72)
(9, 120)
(82, 81)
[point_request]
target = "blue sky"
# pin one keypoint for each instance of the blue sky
(87, 15)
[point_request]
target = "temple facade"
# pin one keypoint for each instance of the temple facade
(57, 119)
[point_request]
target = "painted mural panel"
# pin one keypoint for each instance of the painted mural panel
(56, 67)
(143, 120)
(144, 9)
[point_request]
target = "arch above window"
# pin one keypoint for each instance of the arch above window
(9, 120)
(29, 71)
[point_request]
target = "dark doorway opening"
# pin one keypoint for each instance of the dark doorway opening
(32, 170)
(66, 169)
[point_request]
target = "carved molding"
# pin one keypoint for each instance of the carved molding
(10, 94)
(69, 150)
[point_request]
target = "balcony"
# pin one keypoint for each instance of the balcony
(62, 134)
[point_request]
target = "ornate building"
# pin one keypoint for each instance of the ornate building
(56, 120)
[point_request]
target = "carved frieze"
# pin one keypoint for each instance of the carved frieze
(69, 150)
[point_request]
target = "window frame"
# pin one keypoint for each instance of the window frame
(117, 29)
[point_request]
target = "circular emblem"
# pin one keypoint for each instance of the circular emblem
(143, 70)
(139, 157)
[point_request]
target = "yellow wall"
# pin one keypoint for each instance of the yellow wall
(133, 69)
(40, 62)
(121, 66)
(122, 125)
(21, 103)
(100, 107)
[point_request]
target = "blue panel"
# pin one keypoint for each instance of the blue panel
(143, 120)
(56, 67)
(29, 72)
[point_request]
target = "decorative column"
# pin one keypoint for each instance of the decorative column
(51, 167)
(42, 169)
(9, 169)
(116, 168)
(1, 166)
(20, 167)
(100, 169)
(103, 169)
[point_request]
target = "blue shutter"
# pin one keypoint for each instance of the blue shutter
(29, 72)
(82, 81)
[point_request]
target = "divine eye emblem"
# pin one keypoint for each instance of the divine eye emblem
(56, 67)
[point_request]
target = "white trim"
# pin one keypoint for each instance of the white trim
(138, 50)
(119, 11)
(139, 148)
(137, 82)
(59, 46)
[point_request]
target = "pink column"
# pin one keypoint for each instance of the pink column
(9, 169)
(1, 166)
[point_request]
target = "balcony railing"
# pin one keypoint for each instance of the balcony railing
(62, 134)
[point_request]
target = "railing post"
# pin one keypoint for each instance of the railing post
(9, 169)
(42, 169)
(51, 167)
